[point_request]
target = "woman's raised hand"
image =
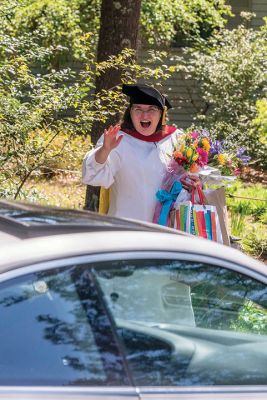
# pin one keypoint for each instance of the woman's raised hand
(111, 141)
(111, 138)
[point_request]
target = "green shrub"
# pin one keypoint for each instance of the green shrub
(255, 240)
(260, 121)
(64, 154)
(163, 20)
(230, 71)
(251, 319)
(258, 134)
(57, 24)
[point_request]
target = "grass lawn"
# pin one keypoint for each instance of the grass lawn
(248, 216)
(61, 191)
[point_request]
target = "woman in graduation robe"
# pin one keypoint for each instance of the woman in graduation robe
(131, 158)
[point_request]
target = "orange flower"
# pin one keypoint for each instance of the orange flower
(178, 154)
(180, 158)
(194, 168)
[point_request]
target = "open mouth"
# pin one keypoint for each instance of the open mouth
(145, 124)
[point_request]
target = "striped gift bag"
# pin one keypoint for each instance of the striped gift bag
(198, 219)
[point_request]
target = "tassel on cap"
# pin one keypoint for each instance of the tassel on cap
(164, 113)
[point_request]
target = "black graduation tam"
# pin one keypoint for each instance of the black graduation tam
(143, 94)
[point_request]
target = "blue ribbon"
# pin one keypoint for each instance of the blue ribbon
(167, 199)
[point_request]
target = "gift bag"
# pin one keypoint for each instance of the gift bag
(198, 219)
(216, 197)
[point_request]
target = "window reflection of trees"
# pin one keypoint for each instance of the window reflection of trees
(63, 309)
(218, 294)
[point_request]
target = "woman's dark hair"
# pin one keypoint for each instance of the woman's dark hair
(126, 120)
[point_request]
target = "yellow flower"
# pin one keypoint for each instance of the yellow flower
(182, 148)
(189, 153)
(206, 144)
(221, 159)
(195, 157)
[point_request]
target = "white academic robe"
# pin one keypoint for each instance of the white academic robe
(134, 172)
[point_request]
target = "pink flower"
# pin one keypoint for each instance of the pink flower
(237, 171)
(202, 157)
(195, 134)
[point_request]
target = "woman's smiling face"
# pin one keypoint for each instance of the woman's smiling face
(145, 118)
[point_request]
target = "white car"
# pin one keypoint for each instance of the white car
(93, 307)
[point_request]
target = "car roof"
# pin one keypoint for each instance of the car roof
(42, 249)
(33, 234)
(20, 221)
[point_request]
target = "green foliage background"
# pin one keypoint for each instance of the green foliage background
(231, 71)
(62, 22)
(38, 88)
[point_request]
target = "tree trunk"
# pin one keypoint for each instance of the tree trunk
(118, 30)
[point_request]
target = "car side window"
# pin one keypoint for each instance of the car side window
(187, 323)
(54, 331)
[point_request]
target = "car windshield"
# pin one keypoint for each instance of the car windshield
(38, 218)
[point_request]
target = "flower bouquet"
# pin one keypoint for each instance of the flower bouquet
(197, 153)
(192, 151)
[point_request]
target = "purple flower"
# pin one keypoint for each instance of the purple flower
(240, 154)
(205, 133)
(216, 147)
